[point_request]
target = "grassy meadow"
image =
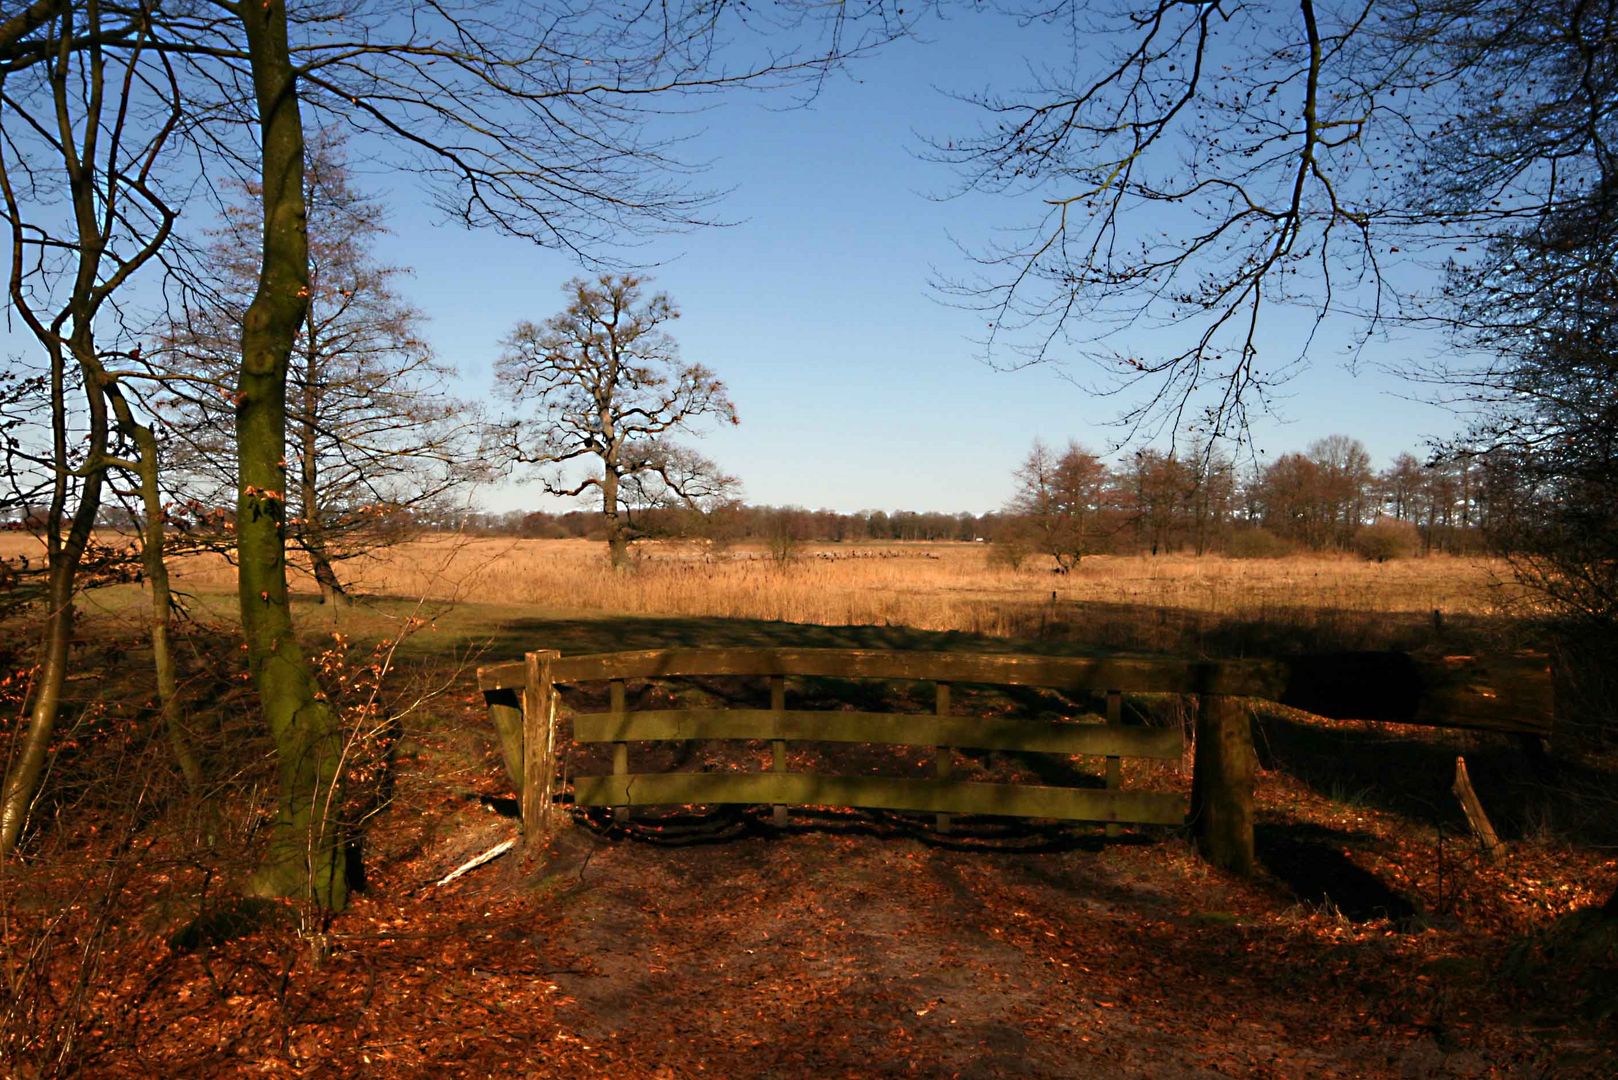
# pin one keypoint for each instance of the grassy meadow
(1162, 602)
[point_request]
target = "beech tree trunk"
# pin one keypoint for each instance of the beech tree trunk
(306, 852)
(156, 570)
(312, 534)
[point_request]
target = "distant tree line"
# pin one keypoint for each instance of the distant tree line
(1071, 503)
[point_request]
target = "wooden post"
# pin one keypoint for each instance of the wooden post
(620, 750)
(538, 746)
(1472, 806)
(942, 755)
(1222, 783)
(778, 747)
(1115, 775)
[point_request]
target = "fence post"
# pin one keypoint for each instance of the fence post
(1115, 775)
(1222, 783)
(778, 747)
(943, 756)
(620, 750)
(538, 745)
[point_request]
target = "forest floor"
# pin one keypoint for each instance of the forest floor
(1374, 941)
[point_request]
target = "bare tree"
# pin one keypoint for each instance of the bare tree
(373, 435)
(603, 383)
(1196, 165)
(1061, 497)
(85, 124)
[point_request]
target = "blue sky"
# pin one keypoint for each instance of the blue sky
(858, 387)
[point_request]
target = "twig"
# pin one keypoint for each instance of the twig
(477, 861)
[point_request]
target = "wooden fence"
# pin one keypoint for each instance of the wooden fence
(1501, 694)
(522, 699)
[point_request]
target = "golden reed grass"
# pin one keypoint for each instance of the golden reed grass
(927, 586)
(933, 586)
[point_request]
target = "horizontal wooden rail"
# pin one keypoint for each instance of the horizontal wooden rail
(902, 729)
(880, 793)
(1251, 678)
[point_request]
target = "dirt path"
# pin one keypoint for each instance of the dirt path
(841, 951)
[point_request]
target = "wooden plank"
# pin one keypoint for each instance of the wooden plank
(881, 792)
(1472, 806)
(505, 713)
(507, 676)
(1136, 674)
(898, 729)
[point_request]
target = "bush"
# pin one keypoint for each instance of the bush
(1257, 542)
(1387, 538)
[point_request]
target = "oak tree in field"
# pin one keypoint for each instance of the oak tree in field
(372, 433)
(601, 383)
(1061, 497)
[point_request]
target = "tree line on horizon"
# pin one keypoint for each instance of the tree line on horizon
(1322, 498)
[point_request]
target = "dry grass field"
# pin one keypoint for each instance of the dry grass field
(1210, 604)
(934, 586)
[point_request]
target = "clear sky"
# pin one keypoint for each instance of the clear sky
(858, 386)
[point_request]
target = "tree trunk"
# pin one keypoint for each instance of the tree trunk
(27, 766)
(617, 537)
(306, 855)
(312, 535)
(156, 571)
(1609, 910)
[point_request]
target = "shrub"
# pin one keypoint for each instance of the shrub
(1387, 538)
(1257, 542)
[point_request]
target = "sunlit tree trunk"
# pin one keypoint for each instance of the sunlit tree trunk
(617, 533)
(156, 570)
(306, 856)
(312, 535)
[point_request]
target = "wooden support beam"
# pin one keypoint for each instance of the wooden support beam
(1472, 807)
(620, 750)
(895, 729)
(1222, 783)
(1115, 775)
(924, 796)
(505, 715)
(943, 756)
(1171, 675)
(778, 747)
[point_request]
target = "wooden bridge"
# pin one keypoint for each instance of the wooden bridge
(1510, 694)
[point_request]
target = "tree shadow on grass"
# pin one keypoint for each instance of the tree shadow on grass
(511, 639)
(1309, 860)
(1410, 772)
